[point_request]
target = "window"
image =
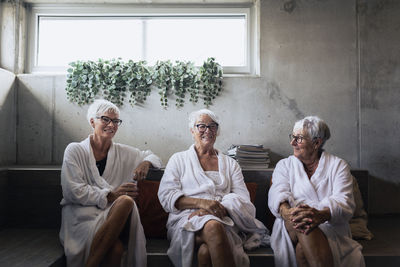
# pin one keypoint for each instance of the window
(62, 35)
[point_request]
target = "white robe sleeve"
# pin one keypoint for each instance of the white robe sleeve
(341, 201)
(147, 155)
(280, 189)
(75, 188)
(239, 193)
(170, 189)
(238, 184)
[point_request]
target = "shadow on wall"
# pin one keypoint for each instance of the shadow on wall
(384, 197)
(37, 128)
(274, 158)
(7, 117)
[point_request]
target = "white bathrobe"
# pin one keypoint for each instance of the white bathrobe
(329, 187)
(184, 176)
(84, 202)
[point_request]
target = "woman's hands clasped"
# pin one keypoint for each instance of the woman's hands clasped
(305, 218)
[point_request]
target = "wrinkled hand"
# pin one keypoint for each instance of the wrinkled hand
(305, 218)
(141, 171)
(129, 189)
(213, 207)
(199, 212)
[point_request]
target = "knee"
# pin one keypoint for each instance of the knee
(125, 202)
(214, 231)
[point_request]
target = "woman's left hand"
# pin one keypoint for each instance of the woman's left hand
(305, 218)
(213, 207)
(141, 171)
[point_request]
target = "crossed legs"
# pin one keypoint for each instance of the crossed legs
(214, 249)
(107, 248)
(311, 250)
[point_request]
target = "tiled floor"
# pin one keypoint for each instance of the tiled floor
(29, 247)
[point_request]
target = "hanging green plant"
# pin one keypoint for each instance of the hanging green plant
(83, 82)
(112, 79)
(138, 81)
(211, 80)
(162, 78)
(185, 78)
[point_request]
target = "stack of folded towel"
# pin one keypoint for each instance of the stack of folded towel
(250, 157)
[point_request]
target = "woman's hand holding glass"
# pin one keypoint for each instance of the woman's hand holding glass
(141, 171)
(128, 189)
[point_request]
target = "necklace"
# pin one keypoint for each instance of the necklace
(310, 170)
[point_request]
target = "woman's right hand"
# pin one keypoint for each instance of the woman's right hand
(129, 189)
(199, 212)
(213, 207)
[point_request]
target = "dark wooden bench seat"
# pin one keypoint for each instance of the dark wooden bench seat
(29, 232)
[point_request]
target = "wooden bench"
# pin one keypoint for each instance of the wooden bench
(30, 199)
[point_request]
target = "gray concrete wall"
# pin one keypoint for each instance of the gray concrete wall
(295, 81)
(12, 35)
(7, 118)
(317, 57)
(380, 98)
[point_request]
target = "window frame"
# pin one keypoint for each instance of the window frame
(250, 10)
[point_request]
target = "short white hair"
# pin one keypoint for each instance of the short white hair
(314, 127)
(196, 114)
(99, 107)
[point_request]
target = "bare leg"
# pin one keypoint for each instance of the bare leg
(108, 233)
(316, 248)
(203, 256)
(114, 255)
(214, 236)
(300, 257)
(312, 249)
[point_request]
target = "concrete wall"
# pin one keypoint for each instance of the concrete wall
(12, 35)
(335, 59)
(380, 97)
(294, 82)
(7, 118)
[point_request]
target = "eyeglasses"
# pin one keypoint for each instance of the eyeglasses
(297, 138)
(106, 120)
(202, 127)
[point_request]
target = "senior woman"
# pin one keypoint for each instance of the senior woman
(100, 221)
(208, 203)
(312, 199)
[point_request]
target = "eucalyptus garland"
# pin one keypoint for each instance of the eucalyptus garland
(163, 80)
(185, 79)
(138, 81)
(211, 80)
(83, 82)
(113, 79)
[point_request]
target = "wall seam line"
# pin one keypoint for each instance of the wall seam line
(358, 82)
(53, 120)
